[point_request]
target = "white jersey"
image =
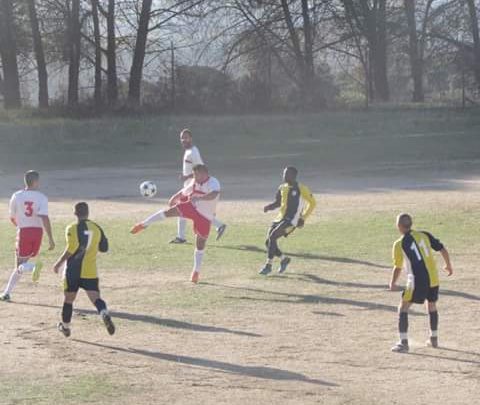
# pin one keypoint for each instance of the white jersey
(191, 157)
(26, 206)
(194, 189)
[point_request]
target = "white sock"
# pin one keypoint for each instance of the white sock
(282, 257)
(197, 260)
(158, 216)
(269, 261)
(217, 223)
(12, 282)
(182, 228)
(26, 267)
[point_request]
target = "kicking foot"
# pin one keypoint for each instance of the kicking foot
(400, 348)
(5, 297)
(432, 342)
(36, 271)
(266, 270)
(62, 328)
(137, 229)
(284, 264)
(221, 231)
(195, 277)
(107, 320)
(178, 241)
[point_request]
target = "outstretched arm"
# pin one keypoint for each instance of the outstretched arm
(274, 205)
(446, 258)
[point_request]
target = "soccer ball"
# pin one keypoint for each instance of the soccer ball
(148, 189)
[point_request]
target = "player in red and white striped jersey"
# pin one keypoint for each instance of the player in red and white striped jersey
(197, 201)
(29, 213)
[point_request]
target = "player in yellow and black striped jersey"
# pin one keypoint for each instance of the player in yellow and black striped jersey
(296, 203)
(414, 253)
(85, 239)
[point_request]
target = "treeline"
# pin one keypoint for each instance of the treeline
(236, 55)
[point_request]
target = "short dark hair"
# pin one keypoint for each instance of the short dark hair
(405, 220)
(31, 177)
(200, 168)
(292, 169)
(81, 209)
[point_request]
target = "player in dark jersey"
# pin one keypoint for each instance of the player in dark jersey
(296, 203)
(414, 252)
(84, 240)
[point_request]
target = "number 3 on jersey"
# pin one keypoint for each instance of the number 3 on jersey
(28, 208)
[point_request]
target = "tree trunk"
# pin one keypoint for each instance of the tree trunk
(8, 53)
(309, 80)
(39, 55)
(476, 39)
(416, 62)
(74, 52)
(136, 70)
(98, 55)
(112, 86)
(380, 56)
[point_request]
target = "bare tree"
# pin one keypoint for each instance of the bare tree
(136, 70)
(73, 44)
(8, 53)
(98, 55)
(472, 10)
(39, 55)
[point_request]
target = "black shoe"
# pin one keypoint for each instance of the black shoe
(266, 270)
(433, 342)
(107, 320)
(178, 241)
(221, 231)
(5, 297)
(284, 264)
(66, 331)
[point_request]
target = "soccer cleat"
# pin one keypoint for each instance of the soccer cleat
(266, 270)
(107, 320)
(432, 342)
(178, 241)
(137, 228)
(62, 328)
(195, 277)
(221, 231)
(36, 271)
(284, 264)
(400, 348)
(5, 297)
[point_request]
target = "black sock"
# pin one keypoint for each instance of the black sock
(433, 321)
(100, 305)
(67, 312)
(403, 326)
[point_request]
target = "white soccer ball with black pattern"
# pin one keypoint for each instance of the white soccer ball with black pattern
(148, 189)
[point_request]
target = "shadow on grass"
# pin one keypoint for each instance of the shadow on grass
(292, 298)
(267, 373)
(319, 280)
(308, 256)
(169, 323)
(440, 357)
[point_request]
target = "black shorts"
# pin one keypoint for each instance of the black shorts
(419, 294)
(71, 284)
(284, 226)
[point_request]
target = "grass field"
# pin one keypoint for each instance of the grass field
(321, 333)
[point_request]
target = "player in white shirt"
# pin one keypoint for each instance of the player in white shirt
(191, 158)
(29, 214)
(197, 201)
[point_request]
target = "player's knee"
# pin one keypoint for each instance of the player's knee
(432, 306)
